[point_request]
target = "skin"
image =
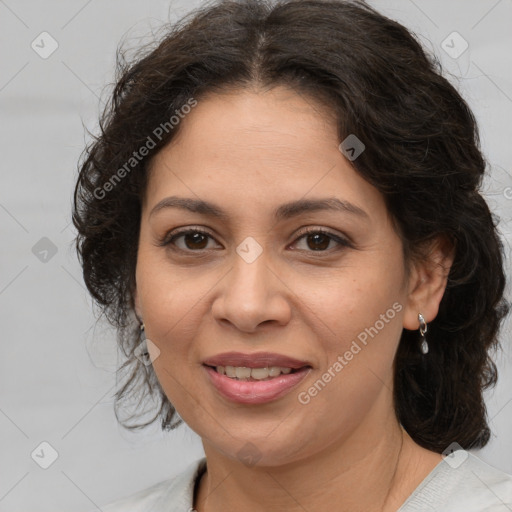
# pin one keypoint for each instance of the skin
(249, 152)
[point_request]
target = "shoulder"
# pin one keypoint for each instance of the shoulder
(462, 482)
(166, 496)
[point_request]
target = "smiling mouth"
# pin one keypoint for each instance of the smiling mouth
(244, 373)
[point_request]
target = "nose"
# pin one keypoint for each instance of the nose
(252, 294)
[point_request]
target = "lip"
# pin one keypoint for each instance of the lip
(254, 392)
(255, 360)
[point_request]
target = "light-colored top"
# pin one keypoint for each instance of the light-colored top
(459, 483)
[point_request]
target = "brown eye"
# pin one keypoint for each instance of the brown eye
(191, 240)
(195, 240)
(318, 241)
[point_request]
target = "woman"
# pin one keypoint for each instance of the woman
(282, 218)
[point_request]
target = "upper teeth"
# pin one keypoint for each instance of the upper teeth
(242, 372)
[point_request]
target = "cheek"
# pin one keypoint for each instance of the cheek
(353, 299)
(172, 306)
(168, 293)
(357, 322)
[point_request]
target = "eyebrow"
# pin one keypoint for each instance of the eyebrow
(283, 212)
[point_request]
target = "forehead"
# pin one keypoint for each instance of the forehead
(254, 147)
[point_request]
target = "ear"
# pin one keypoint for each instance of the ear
(427, 282)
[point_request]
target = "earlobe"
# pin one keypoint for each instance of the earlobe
(427, 283)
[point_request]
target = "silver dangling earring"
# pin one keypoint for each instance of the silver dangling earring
(423, 331)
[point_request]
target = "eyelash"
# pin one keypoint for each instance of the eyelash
(170, 238)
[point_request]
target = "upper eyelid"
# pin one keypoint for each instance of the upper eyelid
(300, 234)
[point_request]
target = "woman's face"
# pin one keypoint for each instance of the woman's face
(256, 282)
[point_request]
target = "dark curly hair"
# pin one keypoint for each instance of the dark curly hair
(422, 153)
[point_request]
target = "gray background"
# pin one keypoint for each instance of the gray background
(57, 369)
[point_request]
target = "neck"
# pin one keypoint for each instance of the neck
(374, 469)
